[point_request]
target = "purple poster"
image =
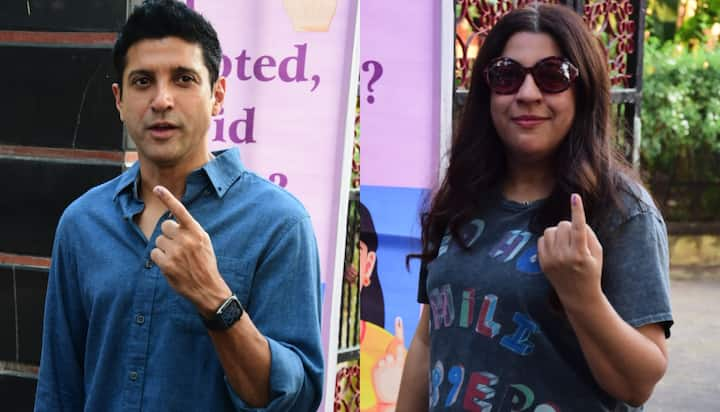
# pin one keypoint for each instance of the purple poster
(400, 118)
(288, 69)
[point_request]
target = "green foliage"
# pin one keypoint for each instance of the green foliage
(681, 106)
(662, 18)
(697, 27)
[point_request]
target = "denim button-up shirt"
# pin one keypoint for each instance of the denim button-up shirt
(117, 337)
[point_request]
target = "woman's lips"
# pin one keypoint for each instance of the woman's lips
(529, 121)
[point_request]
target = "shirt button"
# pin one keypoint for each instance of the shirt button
(148, 264)
(139, 319)
(133, 376)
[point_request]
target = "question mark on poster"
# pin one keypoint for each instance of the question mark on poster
(377, 71)
(279, 179)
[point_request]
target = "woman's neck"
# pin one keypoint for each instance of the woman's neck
(528, 181)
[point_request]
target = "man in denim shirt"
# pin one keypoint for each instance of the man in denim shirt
(187, 283)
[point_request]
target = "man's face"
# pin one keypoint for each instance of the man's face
(167, 103)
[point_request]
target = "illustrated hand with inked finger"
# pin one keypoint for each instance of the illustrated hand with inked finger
(571, 257)
(386, 373)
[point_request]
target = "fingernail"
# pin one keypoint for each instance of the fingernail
(574, 199)
(157, 190)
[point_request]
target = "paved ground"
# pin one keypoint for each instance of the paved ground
(692, 382)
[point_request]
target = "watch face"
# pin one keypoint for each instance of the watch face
(231, 312)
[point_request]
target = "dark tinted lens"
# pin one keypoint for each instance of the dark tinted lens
(505, 76)
(552, 76)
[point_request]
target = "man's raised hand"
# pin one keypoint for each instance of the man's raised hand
(184, 254)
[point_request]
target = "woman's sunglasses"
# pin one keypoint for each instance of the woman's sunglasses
(551, 74)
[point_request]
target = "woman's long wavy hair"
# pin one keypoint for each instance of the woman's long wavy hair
(585, 162)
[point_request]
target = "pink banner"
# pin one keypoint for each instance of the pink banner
(287, 65)
(400, 144)
(400, 89)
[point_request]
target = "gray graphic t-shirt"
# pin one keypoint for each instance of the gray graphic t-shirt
(499, 340)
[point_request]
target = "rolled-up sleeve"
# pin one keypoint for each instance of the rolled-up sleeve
(285, 307)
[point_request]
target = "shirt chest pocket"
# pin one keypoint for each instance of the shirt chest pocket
(238, 274)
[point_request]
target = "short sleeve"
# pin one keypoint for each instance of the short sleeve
(635, 274)
(422, 296)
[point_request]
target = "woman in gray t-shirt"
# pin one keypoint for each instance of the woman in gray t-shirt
(545, 262)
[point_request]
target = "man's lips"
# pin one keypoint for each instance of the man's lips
(162, 126)
(162, 129)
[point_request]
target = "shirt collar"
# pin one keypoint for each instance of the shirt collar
(222, 172)
(130, 177)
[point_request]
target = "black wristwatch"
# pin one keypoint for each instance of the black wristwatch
(228, 313)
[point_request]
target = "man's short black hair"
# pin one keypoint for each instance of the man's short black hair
(155, 19)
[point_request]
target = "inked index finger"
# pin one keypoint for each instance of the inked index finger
(579, 233)
(399, 330)
(183, 217)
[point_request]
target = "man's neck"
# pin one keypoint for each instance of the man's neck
(173, 177)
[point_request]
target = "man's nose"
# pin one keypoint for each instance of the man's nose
(163, 99)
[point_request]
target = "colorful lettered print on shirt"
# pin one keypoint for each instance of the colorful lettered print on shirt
(498, 336)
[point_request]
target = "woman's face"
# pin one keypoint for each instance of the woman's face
(531, 123)
(367, 264)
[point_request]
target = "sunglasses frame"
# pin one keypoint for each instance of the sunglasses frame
(567, 68)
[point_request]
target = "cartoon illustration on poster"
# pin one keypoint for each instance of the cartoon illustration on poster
(400, 141)
(389, 311)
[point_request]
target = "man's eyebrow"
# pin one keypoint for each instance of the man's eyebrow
(140, 72)
(183, 69)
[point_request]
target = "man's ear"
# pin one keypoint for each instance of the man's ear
(117, 92)
(218, 95)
